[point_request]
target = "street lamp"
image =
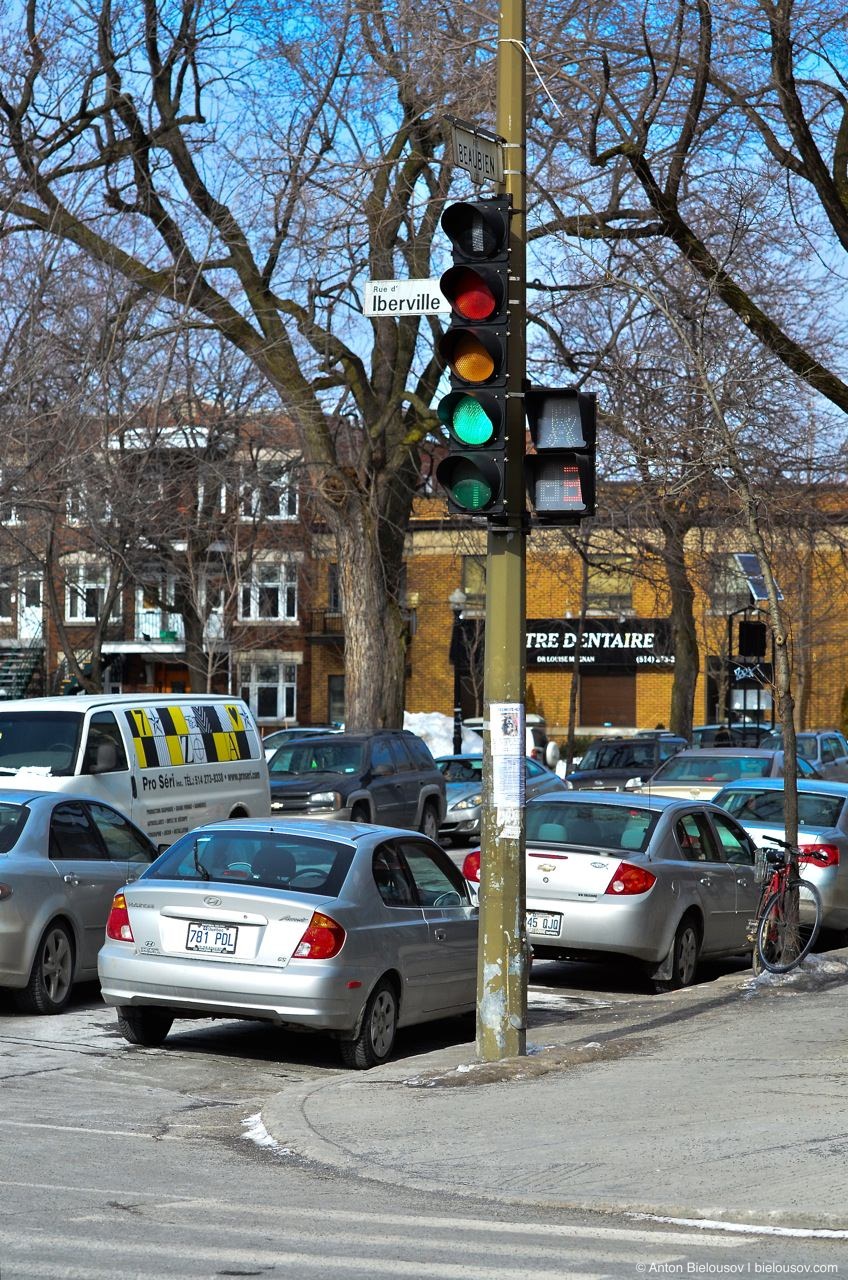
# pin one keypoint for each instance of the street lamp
(457, 599)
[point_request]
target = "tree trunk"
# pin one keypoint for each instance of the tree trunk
(375, 636)
(684, 636)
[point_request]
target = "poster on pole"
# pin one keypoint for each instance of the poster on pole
(506, 737)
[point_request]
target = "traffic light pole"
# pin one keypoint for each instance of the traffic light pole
(502, 956)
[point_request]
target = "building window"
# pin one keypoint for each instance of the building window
(270, 594)
(5, 599)
(335, 699)
(729, 589)
(211, 496)
(334, 595)
(270, 689)
(86, 507)
(269, 494)
(610, 585)
(85, 593)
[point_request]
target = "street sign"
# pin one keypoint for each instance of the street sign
(478, 151)
(404, 298)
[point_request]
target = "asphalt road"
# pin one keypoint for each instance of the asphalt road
(144, 1163)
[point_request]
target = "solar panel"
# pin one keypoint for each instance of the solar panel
(750, 566)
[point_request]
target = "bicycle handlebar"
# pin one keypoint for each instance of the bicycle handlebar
(800, 850)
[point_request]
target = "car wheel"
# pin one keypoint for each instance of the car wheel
(687, 945)
(376, 1037)
(49, 986)
(147, 1027)
(430, 821)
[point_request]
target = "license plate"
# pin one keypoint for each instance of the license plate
(213, 938)
(549, 926)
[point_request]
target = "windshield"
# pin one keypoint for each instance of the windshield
(44, 741)
(266, 859)
(805, 743)
(600, 826)
(12, 820)
(619, 755)
(321, 756)
(461, 770)
(767, 806)
(706, 768)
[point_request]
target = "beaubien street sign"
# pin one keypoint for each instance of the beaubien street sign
(404, 298)
(478, 151)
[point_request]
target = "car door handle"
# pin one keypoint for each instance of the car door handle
(741, 880)
(70, 878)
(705, 880)
(439, 935)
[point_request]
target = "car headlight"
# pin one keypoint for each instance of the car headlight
(470, 802)
(324, 800)
(631, 783)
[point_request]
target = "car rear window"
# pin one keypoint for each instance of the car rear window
(12, 821)
(620, 755)
(767, 806)
(266, 859)
(597, 825)
(712, 768)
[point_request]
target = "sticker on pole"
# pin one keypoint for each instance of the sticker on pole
(506, 736)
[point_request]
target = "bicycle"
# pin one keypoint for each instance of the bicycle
(789, 913)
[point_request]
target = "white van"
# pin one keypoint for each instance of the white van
(170, 763)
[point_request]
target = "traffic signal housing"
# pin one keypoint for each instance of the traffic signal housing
(474, 349)
(560, 474)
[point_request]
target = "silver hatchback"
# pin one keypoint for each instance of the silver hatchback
(348, 928)
(61, 861)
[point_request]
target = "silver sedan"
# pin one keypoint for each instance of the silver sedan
(61, 860)
(660, 881)
(354, 930)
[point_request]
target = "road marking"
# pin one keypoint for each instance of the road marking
(83, 1128)
(710, 1224)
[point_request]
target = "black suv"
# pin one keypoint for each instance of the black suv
(611, 762)
(387, 776)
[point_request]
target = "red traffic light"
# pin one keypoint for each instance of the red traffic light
(473, 294)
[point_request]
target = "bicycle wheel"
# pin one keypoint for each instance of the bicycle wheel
(783, 940)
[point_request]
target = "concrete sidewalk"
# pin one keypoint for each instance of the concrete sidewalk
(727, 1101)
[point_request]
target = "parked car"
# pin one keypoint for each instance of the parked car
(732, 735)
(272, 741)
(61, 860)
(388, 777)
(698, 775)
(826, 750)
(608, 763)
(822, 826)
(464, 781)
(663, 883)
(344, 928)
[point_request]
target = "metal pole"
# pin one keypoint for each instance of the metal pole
(502, 955)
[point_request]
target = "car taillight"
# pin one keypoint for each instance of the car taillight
(471, 866)
(819, 855)
(5, 891)
(118, 925)
(630, 879)
(323, 939)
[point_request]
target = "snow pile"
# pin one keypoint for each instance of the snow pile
(437, 731)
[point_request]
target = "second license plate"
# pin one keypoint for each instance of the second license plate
(213, 938)
(548, 925)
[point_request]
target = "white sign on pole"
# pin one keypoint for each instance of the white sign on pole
(479, 155)
(404, 298)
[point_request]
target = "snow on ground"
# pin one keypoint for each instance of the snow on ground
(437, 731)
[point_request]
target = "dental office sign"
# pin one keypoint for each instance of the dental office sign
(632, 645)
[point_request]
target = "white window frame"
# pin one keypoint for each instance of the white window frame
(7, 584)
(286, 687)
(201, 494)
(79, 580)
(277, 476)
(76, 518)
(280, 575)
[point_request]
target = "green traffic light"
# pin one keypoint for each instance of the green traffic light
(471, 490)
(471, 424)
